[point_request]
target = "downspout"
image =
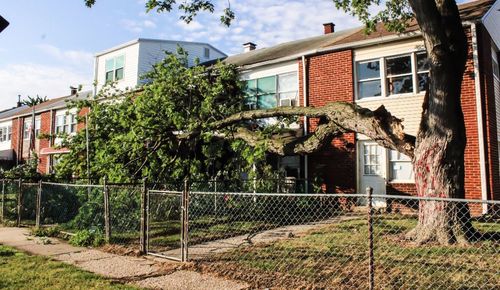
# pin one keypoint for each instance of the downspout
(304, 103)
(96, 65)
(19, 138)
(479, 112)
(51, 129)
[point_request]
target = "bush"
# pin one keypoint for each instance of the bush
(86, 238)
(45, 232)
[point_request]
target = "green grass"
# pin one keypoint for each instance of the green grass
(336, 256)
(21, 271)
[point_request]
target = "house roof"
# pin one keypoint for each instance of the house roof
(348, 38)
(9, 113)
(137, 40)
(52, 104)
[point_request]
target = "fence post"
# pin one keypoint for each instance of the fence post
(371, 270)
(107, 217)
(144, 217)
(38, 204)
(185, 221)
(19, 202)
(2, 209)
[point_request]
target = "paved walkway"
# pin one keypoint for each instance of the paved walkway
(140, 271)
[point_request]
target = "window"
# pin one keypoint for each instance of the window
(371, 159)
(287, 89)
(37, 127)
(114, 68)
(269, 92)
(5, 133)
(66, 123)
(369, 79)
(27, 128)
(402, 74)
(400, 166)
(206, 52)
(399, 76)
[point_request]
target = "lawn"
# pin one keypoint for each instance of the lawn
(336, 257)
(22, 271)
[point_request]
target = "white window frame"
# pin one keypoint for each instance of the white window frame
(66, 123)
(114, 69)
(293, 101)
(383, 76)
(38, 126)
(26, 129)
(401, 158)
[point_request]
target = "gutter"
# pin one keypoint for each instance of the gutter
(479, 112)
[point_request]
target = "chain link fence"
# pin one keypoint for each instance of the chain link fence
(280, 239)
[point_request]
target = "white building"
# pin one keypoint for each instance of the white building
(126, 63)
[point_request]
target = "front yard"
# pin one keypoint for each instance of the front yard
(22, 271)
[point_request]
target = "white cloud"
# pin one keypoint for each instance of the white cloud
(32, 79)
(137, 26)
(78, 58)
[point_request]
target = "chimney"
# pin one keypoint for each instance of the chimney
(19, 104)
(73, 90)
(249, 46)
(329, 28)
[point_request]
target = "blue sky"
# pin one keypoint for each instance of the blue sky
(50, 44)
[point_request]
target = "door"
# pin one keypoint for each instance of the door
(372, 169)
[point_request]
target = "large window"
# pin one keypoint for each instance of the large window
(27, 128)
(5, 133)
(114, 68)
(394, 75)
(66, 123)
(38, 126)
(400, 167)
(269, 92)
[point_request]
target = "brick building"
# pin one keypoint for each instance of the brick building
(381, 69)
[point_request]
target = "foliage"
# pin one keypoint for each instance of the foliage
(87, 238)
(132, 136)
(26, 171)
(46, 231)
(33, 101)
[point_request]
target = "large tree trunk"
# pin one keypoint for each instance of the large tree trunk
(440, 144)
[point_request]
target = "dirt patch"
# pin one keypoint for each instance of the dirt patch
(121, 250)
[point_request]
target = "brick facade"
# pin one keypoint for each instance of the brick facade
(330, 78)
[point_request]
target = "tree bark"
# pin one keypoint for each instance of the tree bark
(439, 153)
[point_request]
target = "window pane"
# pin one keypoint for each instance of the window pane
(266, 85)
(287, 82)
(401, 170)
(369, 89)
(398, 65)
(119, 74)
(400, 85)
(266, 101)
(119, 62)
(368, 70)
(423, 79)
(422, 61)
(109, 76)
(110, 64)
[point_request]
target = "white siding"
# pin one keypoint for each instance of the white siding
(130, 75)
(151, 52)
(7, 144)
(407, 108)
(492, 22)
(270, 70)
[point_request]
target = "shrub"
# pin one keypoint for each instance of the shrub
(45, 232)
(86, 238)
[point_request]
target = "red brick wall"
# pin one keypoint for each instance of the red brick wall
(16, 123)
(81, 114)
(44, 160)
(330, 78)
(472, 163)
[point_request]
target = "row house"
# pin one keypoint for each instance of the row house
(123, 65)
(387, 69)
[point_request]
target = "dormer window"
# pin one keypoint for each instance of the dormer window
(114, 68)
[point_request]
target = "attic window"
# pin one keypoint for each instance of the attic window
(114, 68)
(207, 52)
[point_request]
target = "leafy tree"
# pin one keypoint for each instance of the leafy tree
(142, 134)
(33, 101)
(437, 151)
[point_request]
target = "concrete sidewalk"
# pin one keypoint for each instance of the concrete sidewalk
(141, 271)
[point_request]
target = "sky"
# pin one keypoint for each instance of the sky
(50, 44)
